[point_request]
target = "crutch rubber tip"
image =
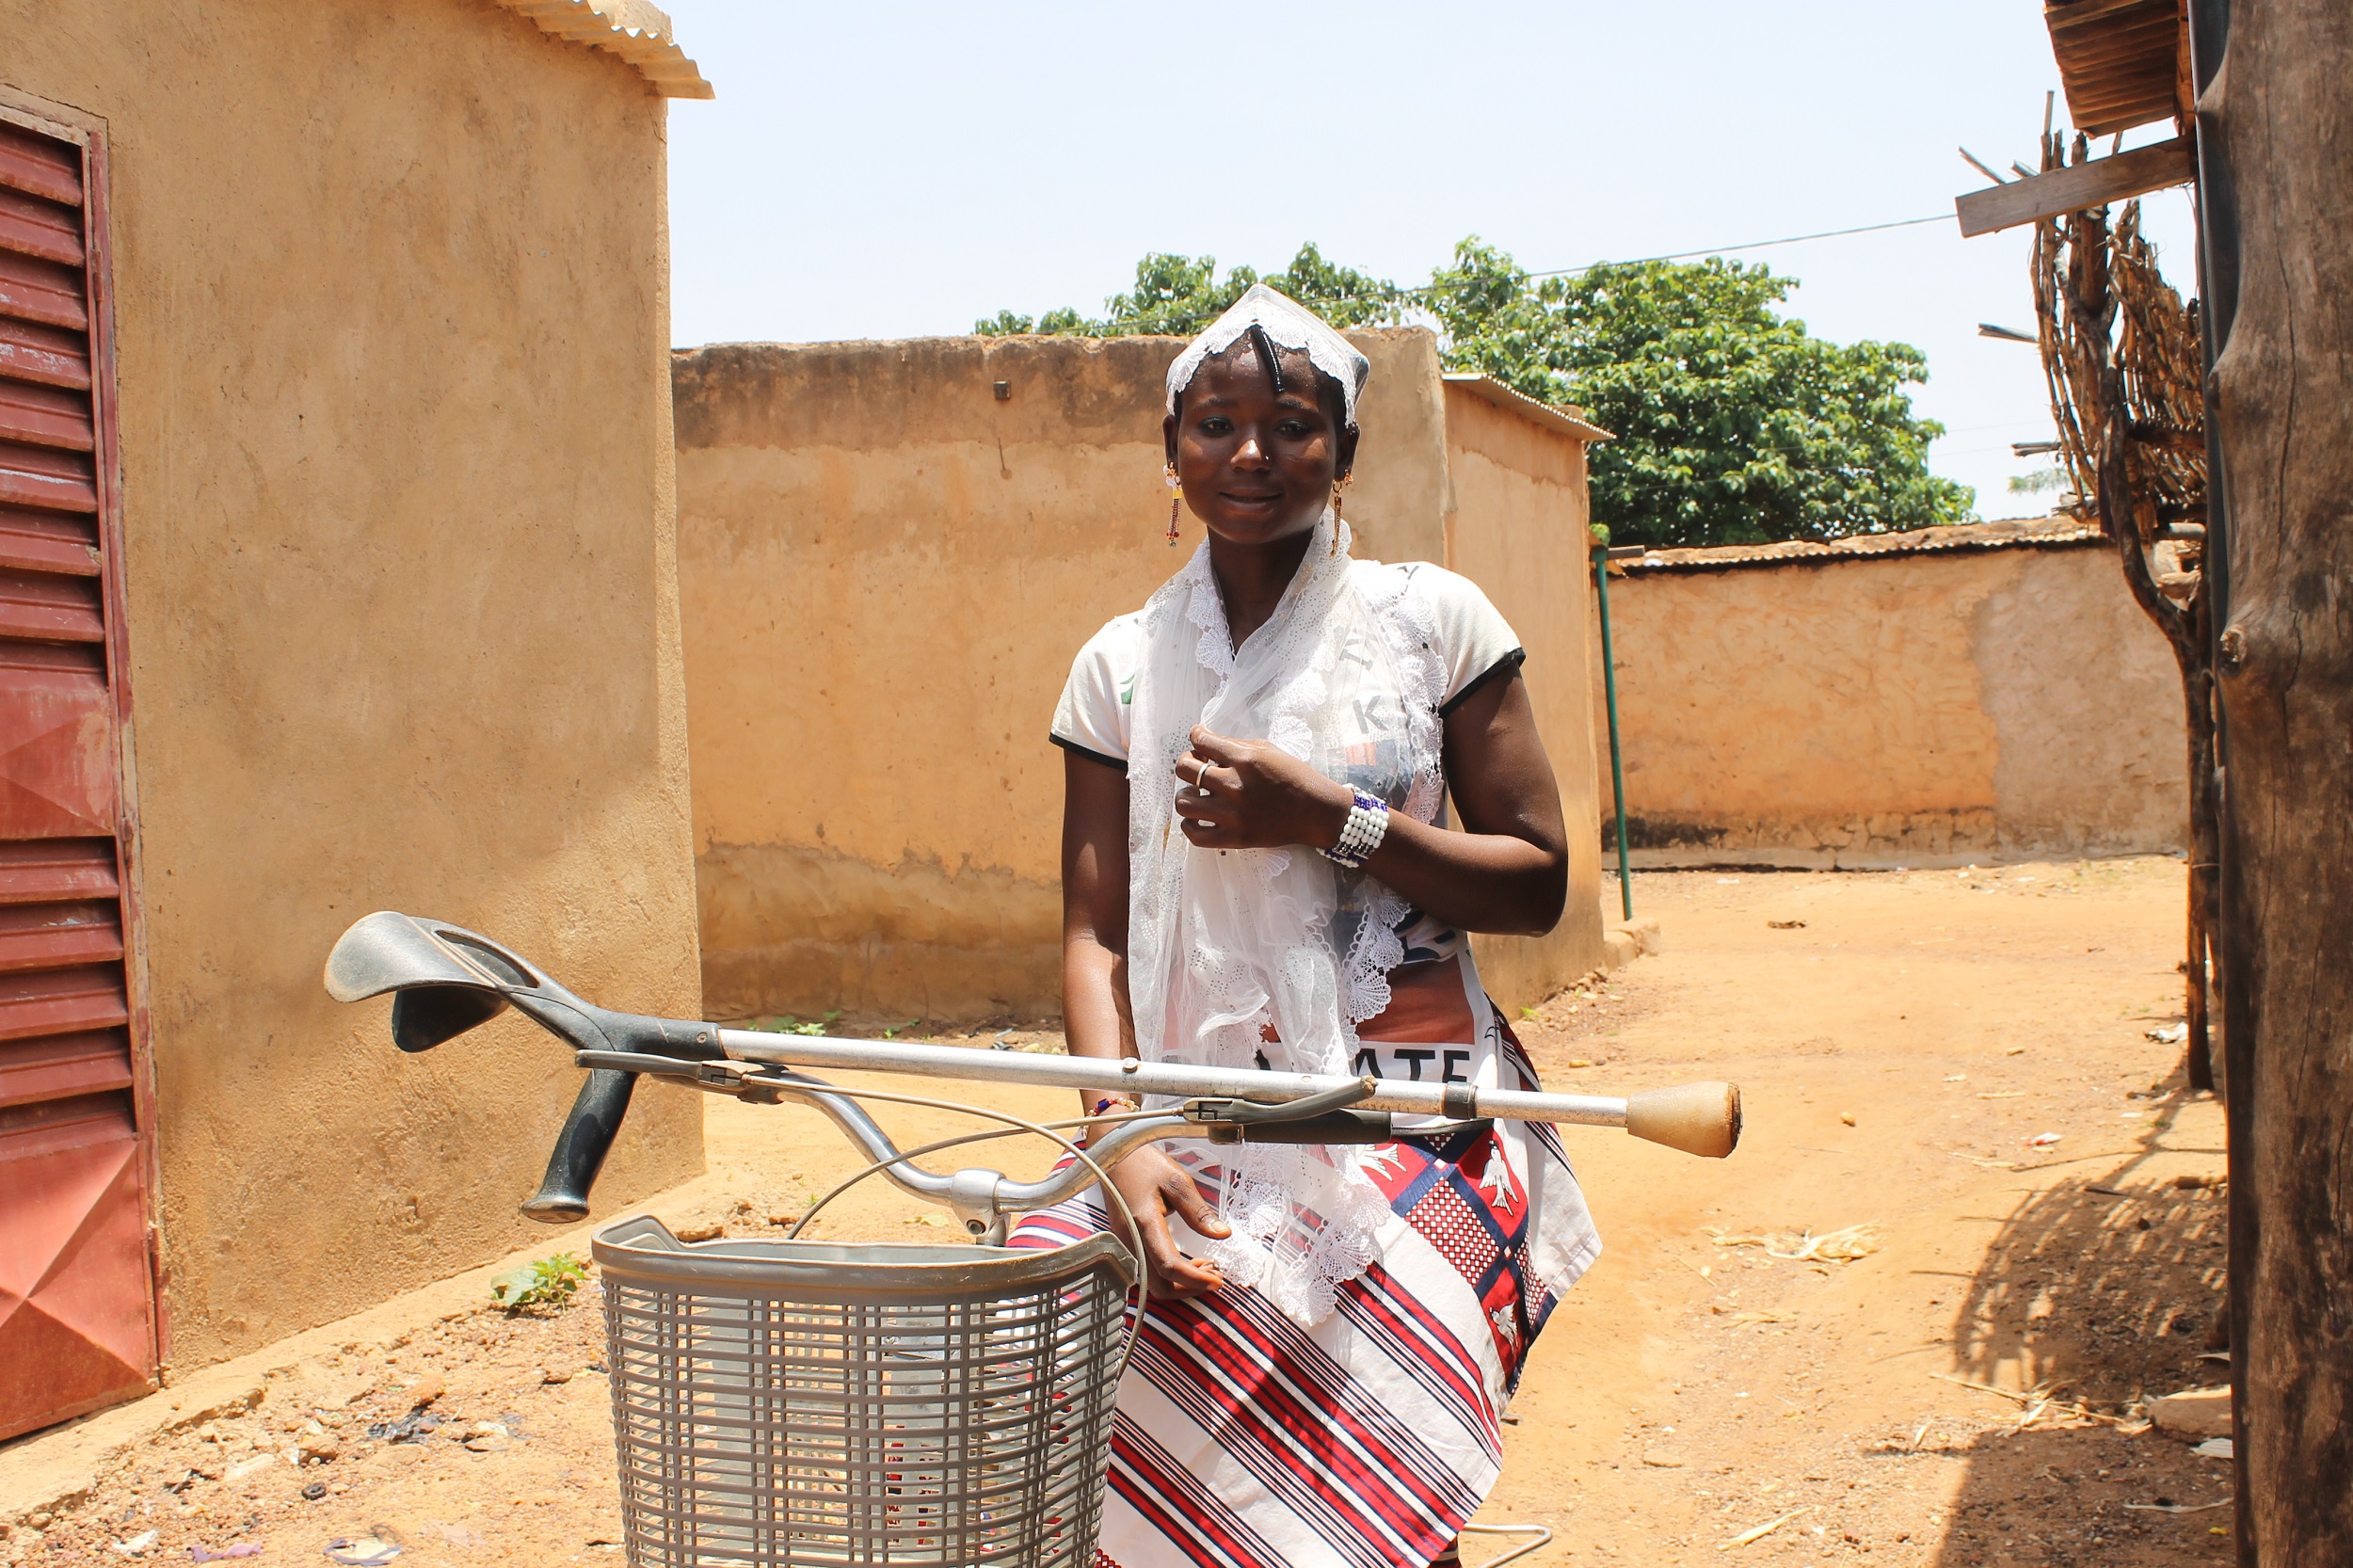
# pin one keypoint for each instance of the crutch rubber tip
(555, 1211)
(1697, 1118)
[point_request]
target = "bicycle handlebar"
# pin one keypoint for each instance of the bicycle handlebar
(446, 981)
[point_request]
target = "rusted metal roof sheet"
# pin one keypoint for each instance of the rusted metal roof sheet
(632, 29)
(2052, 533)
(2123, 62)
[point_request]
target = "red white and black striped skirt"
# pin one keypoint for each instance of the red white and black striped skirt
(1244, 1439)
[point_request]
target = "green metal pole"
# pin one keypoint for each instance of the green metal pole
(1610, 690)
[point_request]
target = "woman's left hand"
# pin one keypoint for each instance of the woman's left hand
(1252, 795)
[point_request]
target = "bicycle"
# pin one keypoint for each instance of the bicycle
(804, 1404)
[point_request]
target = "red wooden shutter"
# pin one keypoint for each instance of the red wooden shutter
(78, 1317)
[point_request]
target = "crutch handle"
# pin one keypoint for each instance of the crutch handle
(581, 1147)
(1697, 1118)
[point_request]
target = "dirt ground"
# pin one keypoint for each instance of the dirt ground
(1960, 1062)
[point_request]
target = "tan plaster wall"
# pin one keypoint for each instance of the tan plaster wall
(1932, 710)
(392, 315)
(886, 571)
(1518, 530)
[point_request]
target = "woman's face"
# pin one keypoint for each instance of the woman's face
(1256, 464)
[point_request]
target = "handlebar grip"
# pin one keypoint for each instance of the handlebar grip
(581, 1147)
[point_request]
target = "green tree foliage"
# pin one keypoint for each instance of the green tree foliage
(1733, 425)
(1181, 294)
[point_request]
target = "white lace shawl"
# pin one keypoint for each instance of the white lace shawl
(1225, 946)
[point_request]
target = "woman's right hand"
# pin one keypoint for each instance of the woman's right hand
(1156, 1187)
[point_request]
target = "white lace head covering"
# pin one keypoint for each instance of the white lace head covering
(1287, 324)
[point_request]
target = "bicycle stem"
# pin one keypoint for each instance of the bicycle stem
(984, 1199)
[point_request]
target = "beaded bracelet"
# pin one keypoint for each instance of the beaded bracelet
(1127, 1103)
(1368, 824)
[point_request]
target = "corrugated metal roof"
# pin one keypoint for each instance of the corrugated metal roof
(2122, 61)
(1569, 421)
(638, 32)
(2052, 533)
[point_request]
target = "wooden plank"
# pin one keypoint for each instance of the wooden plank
(2077, 13)
(2126, 37)
(2116, 60)
(2067, 190)
(2151, 49)
(2129, 115)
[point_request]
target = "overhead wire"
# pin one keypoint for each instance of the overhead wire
(1752, 245)
(1720, 249)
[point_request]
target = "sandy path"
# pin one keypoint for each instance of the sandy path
(1954, 1018)
(1686, 1392)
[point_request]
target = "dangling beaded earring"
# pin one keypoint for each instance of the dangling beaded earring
(1176, 499)
(1338, 486)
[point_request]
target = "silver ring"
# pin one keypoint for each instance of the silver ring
(1198, 787)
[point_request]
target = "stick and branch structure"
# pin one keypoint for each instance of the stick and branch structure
(2122, 355)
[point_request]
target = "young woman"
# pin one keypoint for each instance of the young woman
(1259, 869)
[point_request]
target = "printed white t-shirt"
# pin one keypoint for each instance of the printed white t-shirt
(1475, 643)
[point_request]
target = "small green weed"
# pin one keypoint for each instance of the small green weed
(790, 1025)
(890, 1031)
(546, 1286)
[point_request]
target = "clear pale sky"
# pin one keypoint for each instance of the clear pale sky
(887, 170)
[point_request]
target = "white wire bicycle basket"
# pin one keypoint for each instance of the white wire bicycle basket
(804, 1404)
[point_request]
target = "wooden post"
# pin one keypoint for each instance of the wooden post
(2277, 153)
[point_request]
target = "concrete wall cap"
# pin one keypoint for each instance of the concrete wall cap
(638, 32)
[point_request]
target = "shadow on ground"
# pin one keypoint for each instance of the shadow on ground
(2102, 1290)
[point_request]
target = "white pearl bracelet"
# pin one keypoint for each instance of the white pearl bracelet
(1368, 824)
